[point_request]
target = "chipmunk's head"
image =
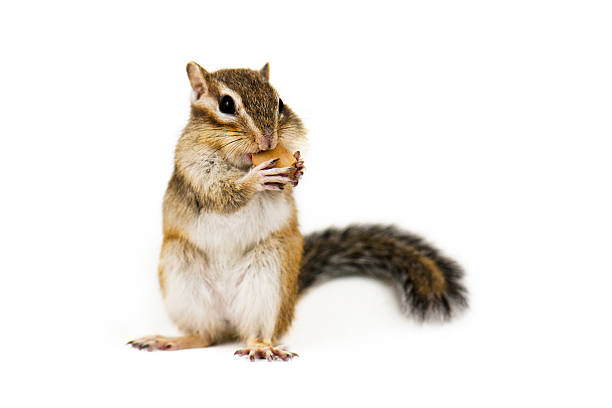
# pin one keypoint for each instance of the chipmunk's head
(237, 112)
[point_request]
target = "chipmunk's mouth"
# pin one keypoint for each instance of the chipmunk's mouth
(249, 156)
(248, 159)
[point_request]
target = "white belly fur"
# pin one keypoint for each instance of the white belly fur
(235, 288)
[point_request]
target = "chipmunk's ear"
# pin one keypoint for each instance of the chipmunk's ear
(265, 71)
(197, 78)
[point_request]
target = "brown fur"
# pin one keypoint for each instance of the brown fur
(213, 174)
(260, 101)
(429, 283)
(208, 177)
(225, 196)
(187, 251)
(258, 96)
(213, 146)
(291, 259)
(173, 236)
(437, 283)
(162, 280)
(427, 278)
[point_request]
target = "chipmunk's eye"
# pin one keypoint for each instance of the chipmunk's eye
(227, 105)
(281, 105)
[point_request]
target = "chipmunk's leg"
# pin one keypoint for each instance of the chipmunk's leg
(188, 298)
(164, 343)
(263, 306)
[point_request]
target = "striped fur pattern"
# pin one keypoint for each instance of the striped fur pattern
(429, 283)
(233, 259)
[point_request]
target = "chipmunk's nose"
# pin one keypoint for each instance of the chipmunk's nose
(268, 139)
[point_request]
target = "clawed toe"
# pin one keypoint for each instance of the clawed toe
(266, 353)
(283, 353)
(299, 169)
(151, 343)
(296, 177)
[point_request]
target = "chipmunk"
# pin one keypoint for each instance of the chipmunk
(233, 261)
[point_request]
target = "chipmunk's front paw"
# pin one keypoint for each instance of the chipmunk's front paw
(268, 177)
(263, 352)
(299, 168)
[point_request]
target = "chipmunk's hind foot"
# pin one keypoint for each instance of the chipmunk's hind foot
(163, 343)
(266, 352)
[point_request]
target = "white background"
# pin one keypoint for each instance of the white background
(485, 126)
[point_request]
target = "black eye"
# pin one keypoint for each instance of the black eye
(281, 105)
(227, 105)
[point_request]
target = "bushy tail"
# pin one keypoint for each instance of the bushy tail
(428, 282)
